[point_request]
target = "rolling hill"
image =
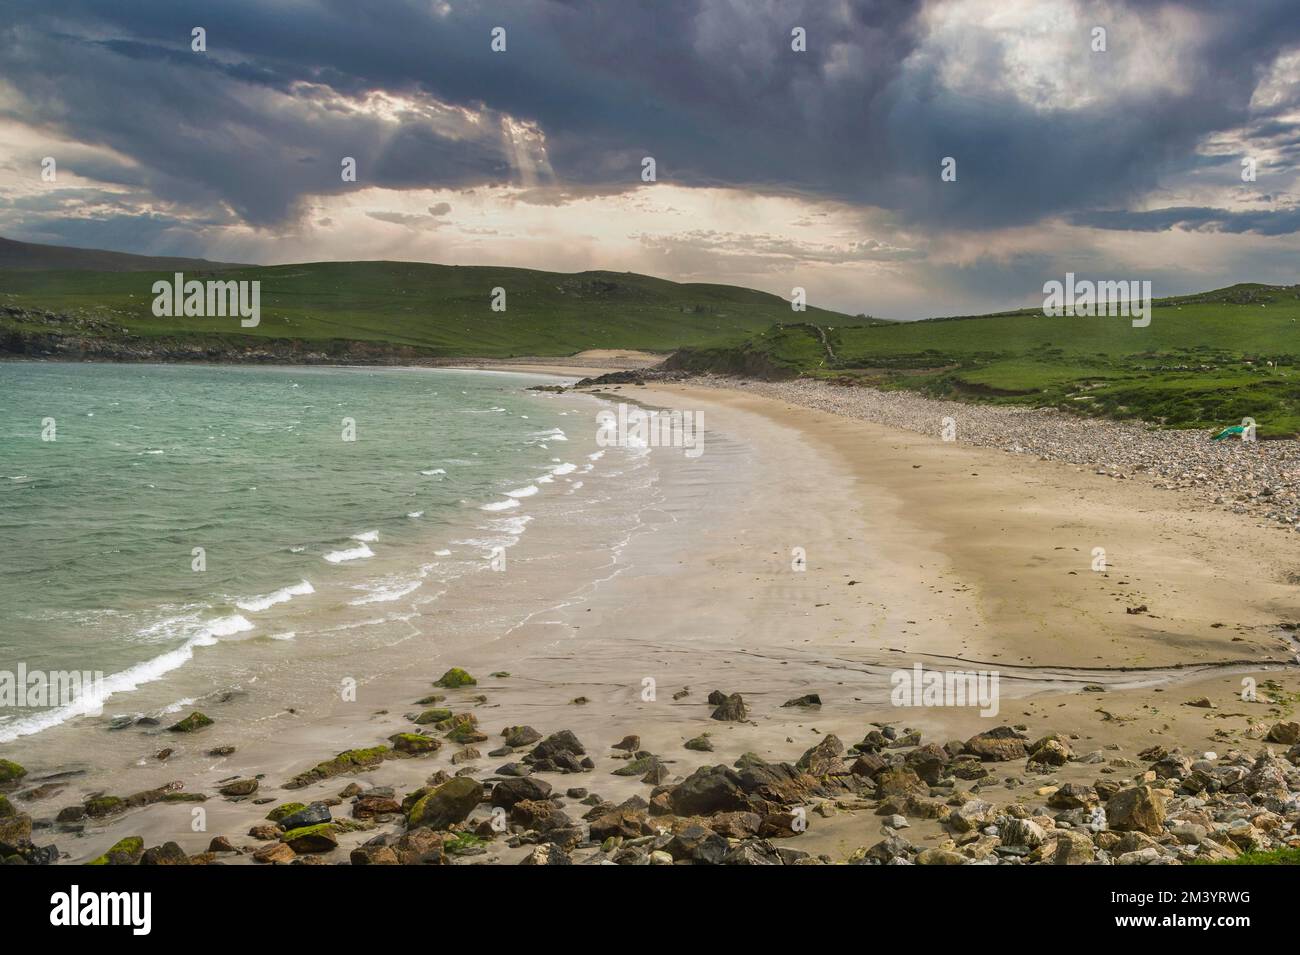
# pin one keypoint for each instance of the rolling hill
(32, 255)
(1205, 360)
(368, 310)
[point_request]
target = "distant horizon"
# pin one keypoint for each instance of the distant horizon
(1010, 308)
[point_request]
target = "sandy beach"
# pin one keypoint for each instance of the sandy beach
(801, 553)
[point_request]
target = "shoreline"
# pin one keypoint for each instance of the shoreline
(937, 577)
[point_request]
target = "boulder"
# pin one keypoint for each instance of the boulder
(1073, 796)
(123, 852)
(277, 853)
(240, 787)
(699, 845)
(368, 806)
(997, 745)
(195, 721)
(623, 823)
(10, 773)
(731, 710)
(313, 815)
(1049, 752)
(708, 790)
(824, 758)
(450, 803)
(1073, 847)
(1287, 733)
(540, 814)
(320, 838)
(971, 815)
(348, 761)
(455, 677)
(519, 736)
(15, 833)
(926, 761)
(1021, 832)
(414, 744)
(547, 854)
(900, 781)
(169, 853)
(517, 789)
(1139, 809)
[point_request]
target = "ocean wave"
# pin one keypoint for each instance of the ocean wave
(366, 537)
(387, 591)
(352, 553)
(528, 491)
(432, 471)
(500, 505)
(133, 677)
(415, 514)
(283, 595)
(223, 627)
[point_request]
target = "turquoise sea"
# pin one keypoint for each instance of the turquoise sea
(178, 507)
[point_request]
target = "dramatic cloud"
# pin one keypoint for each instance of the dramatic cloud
(236, 152)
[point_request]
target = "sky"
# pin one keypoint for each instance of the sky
(795, 142)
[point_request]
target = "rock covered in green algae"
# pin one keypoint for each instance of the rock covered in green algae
(195, 721)
(240, 787)
(450, 803)
(346, 762)
(124, 852)
(286, 809)
(101, 806)
(455, 677)
(10, 772)
(318, 838)
(414, 743)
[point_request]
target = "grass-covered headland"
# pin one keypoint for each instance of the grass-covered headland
(1205, 360)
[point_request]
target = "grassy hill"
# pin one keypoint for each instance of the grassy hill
(32, 255)
(411, 309)
(1205, 360)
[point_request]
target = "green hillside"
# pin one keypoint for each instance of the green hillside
(1204, 361)
(33, 255)
(436, 311)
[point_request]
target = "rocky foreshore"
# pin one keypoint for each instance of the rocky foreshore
(1260, 478)
(1000, 797)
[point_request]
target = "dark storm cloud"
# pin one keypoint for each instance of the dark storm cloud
(1196, 218)
(710, 88)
